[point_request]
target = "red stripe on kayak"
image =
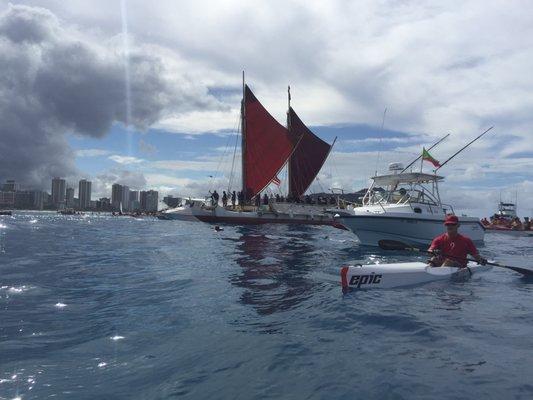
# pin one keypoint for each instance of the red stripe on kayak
(344, 277)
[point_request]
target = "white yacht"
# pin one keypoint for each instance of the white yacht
(404, 207)
(183, 212)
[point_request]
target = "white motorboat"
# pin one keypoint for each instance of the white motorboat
(404, 207)
(184, 212)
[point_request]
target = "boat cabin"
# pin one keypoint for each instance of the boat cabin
(507, 210)
(416, 191)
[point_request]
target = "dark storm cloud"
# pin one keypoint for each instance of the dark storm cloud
(56, 81)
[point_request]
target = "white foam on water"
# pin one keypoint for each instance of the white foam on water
(102, 364)
(60, 305)
(17, 289)
(116, 337)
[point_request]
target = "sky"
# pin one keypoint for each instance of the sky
(148, 95)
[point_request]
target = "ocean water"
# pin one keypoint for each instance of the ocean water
(101, 307)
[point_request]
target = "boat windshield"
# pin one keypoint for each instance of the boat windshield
(403, 196)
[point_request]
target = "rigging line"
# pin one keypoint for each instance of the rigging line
(380, 139)
(213, 177)
(232, 172)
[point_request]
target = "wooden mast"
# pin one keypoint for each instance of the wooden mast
(289, 170)
(243, 140)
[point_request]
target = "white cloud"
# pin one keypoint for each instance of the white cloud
(92, 152)
(125, 160)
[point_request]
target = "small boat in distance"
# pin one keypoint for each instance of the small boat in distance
(404, 207)
(506, 221)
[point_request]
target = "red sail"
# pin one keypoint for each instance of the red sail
(267, 146)
(307, 159)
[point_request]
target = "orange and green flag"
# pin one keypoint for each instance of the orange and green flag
(427, 157)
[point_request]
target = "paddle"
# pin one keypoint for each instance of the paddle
(395, 245)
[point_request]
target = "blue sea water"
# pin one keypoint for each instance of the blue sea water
(101, 307)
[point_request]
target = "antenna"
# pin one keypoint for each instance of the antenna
(472, 141)
(380, 140)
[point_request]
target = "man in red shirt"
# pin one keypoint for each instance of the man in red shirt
(451, 248)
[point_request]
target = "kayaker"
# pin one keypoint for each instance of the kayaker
(451, 248)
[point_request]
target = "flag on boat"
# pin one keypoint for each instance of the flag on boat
(276, 181)
(427, 157)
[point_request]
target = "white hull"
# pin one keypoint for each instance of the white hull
(387, 276)
(179, 213)
(406, 228)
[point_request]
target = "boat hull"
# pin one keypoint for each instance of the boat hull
(178, 214)
(510, 232)
(388, 276)
(224, 216)
(411, 230)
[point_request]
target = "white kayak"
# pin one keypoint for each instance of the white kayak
(386, 276)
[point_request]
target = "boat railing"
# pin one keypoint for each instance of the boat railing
(445, 208)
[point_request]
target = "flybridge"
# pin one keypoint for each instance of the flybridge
(267, 146)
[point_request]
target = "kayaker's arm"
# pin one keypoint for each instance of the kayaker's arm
(472, 250)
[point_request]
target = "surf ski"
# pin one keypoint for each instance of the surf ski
(387, 276)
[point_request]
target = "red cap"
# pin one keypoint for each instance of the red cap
(451, 220)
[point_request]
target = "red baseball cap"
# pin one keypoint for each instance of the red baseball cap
(451, 220)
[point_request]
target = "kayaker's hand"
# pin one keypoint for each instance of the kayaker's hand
(482, 261)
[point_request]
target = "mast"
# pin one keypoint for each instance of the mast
(289, 169)
(243, 139)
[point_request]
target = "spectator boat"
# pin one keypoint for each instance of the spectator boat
(404, 207)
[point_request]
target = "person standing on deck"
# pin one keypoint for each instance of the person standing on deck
(233, 199)
(215, 198)
(224, 199)
(451, 248)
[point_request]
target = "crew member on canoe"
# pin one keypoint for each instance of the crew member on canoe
(451, 248)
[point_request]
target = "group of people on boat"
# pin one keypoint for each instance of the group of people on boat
(235, 198)
(500, 222)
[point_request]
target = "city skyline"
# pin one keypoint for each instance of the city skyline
(62, 196)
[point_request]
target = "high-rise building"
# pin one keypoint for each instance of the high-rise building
(103, 204)
(149, 200)
(135, 205)
(69, 198)
(125, 198)
(7, 200)
(23, 199)
(10, 186)
(84, 194)
(58, 192)
(38, 199)
(116, 196)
